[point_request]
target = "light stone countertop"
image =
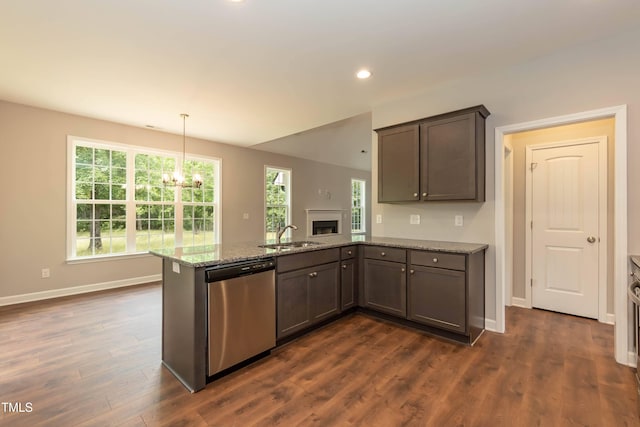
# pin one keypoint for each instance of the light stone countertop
(636, 260)
(224, 253)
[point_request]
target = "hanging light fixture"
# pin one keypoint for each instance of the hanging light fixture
(177, 178)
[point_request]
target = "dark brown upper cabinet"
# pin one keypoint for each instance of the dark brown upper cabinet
(439, 158)
(399, 164)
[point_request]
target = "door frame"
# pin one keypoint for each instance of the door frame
(620, 263)
(601, 141)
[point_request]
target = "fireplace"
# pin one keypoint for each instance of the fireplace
(325, 227)
(321, 222)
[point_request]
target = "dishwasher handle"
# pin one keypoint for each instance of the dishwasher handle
(229, 271)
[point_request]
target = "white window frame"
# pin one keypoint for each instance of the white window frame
(130, 202)
(288, 184)
(363, 206)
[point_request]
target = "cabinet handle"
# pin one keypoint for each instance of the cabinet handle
(348, 252)
(415, 194)
(435, 260)
(412, 271)
(424, 194)
(383, 253)
(344, 266)
(403, 269)
(314, 274)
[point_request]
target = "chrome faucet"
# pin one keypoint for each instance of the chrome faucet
(281, 232)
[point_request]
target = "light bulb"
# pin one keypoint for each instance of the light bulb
(363, 74)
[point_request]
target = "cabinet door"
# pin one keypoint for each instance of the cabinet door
(348, 283)
(399, 164)
(449, 159)
(292, 302)
(324, 291)
(437, 297)
(385, 287)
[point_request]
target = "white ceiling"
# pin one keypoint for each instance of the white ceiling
(344, 143)
(263, 69)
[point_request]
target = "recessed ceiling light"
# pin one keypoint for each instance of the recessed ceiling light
(363, 74)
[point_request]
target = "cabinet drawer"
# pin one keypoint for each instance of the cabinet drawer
(439, 260)
(306, 259)
(347, 252)
(385, 253)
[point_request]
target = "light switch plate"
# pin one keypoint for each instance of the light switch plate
(414, 219)
(175, 267)
(378, 219)
(245, 215)
(459, 220)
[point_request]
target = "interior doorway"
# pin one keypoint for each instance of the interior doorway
(618, 261)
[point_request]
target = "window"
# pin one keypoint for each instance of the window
(119, 206)
(357, 206)
(199, 215)
(100, 201)
(155, 207)
(277, 201)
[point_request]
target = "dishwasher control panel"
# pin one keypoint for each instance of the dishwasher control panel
(227, 271)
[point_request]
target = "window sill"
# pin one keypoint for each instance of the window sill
(102, 258)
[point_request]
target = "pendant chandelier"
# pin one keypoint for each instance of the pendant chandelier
(177, 178)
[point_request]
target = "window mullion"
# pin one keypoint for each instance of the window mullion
(179, 216)
(131, 202)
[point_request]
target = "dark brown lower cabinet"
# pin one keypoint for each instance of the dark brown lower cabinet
(306, 296)
(292, 300)
(324, 291)
(437, 297)
(385, 286)
(444, 291)
(348, 281)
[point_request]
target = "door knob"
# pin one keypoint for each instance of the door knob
(591, 239)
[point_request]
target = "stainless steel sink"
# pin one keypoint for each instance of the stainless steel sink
(289, 245)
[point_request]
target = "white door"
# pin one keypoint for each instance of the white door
(566, 183)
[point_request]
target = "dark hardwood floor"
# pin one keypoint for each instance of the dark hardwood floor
(94, 360)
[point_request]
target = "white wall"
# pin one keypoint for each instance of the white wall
(587, 77)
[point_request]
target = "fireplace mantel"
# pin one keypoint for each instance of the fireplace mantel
(324, 215)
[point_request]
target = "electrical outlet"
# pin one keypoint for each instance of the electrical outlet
(46, 273)
(245, 215)
(378, 219)
(175, 267)
(459, 220)
(414, 219)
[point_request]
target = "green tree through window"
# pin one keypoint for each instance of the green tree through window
(357, 206)
(277, 200)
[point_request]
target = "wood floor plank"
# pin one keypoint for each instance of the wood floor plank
(94, 359)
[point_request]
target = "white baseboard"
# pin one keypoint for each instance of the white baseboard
(610, 319)
(631, 359)
(490, 325)
(519, 302)
(75, 290)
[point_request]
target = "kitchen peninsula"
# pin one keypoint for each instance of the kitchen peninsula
(434, 286)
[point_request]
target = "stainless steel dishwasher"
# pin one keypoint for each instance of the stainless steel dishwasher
(241, 312)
